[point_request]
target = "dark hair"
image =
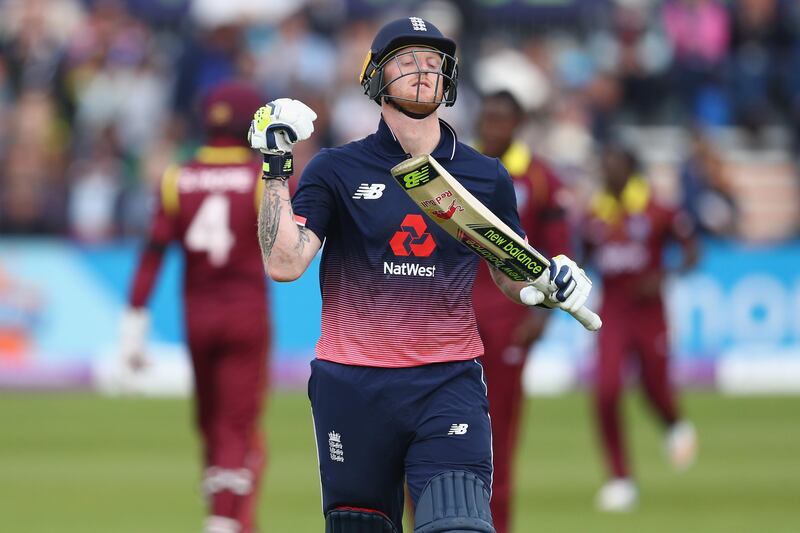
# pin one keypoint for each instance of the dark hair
(506, 97)
(623, 149)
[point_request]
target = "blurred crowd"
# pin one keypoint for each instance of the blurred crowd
(98, 96)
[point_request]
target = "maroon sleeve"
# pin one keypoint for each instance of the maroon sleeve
(681, 226)
(682, 229)
(145, 276)
(552, 228)
(162, 231)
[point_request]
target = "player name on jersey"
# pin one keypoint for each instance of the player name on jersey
(617, 258)
(237, 179)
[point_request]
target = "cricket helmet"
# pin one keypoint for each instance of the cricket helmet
(401, 33)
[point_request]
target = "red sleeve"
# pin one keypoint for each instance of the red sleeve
(145, 276)
(162, 231)
(549, 220)
(682, 229)
(681, 226)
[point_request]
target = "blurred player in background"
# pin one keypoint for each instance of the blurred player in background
(626, 233)
(209, 206)
(508, 330)
(396, 389)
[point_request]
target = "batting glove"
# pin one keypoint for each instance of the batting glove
(568, 287)
(133, 336)
(530, 295)
(279, 125)
(569, 284)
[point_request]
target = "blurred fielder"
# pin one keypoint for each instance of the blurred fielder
(626, 232)
(209, 206)
(508, 330)
(396, 390)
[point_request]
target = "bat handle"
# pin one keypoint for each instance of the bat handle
(588, 318)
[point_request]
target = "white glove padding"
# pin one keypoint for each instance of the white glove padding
(277, 126)
(570, 286)
(133, 336)
(530, 295)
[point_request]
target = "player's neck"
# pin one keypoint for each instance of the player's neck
(497, 150)
(417, 137)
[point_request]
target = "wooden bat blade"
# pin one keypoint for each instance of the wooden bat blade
(450, 205)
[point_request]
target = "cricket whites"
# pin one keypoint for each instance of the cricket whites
(448, 203)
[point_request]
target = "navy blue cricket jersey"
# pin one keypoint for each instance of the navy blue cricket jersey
(396, 288)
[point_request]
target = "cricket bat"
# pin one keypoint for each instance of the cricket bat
(450, 205)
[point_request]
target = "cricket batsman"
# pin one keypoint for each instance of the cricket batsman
(209, 206)
(508, 330)
(625, 233)
(396, 389)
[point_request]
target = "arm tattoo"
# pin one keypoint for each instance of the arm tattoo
(302, 240)
(268, 216)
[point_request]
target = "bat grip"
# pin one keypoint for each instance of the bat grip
(588, 318)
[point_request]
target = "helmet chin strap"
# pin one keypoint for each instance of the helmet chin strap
(406, 112)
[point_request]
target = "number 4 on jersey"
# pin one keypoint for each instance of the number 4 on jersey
(210, 230)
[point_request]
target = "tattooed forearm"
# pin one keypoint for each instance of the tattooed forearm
(286, 247)
(269, 216)
(302, 240)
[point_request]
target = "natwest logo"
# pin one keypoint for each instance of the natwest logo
(413, 238)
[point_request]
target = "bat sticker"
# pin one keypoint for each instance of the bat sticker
(416, 177)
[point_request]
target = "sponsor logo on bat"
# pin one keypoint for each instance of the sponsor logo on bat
(518, 255)
(447, 215)
(415, 178)
(509, 270)
(433, 202)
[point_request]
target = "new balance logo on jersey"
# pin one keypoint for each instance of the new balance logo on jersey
(458, 429)
(369, 192)
(418, 24)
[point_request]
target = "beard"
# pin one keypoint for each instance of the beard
(417, 102)
(420, 108)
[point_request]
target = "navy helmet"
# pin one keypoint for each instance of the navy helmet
(401, 33)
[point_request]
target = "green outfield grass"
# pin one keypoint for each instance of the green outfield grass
(81, 463)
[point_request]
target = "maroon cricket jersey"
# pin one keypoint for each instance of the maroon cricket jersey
(540, 202)
(627, 236)
(209, 206)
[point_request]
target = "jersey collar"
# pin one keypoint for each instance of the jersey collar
(446, 149)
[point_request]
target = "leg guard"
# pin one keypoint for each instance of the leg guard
(357, 520)
(454, 502)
